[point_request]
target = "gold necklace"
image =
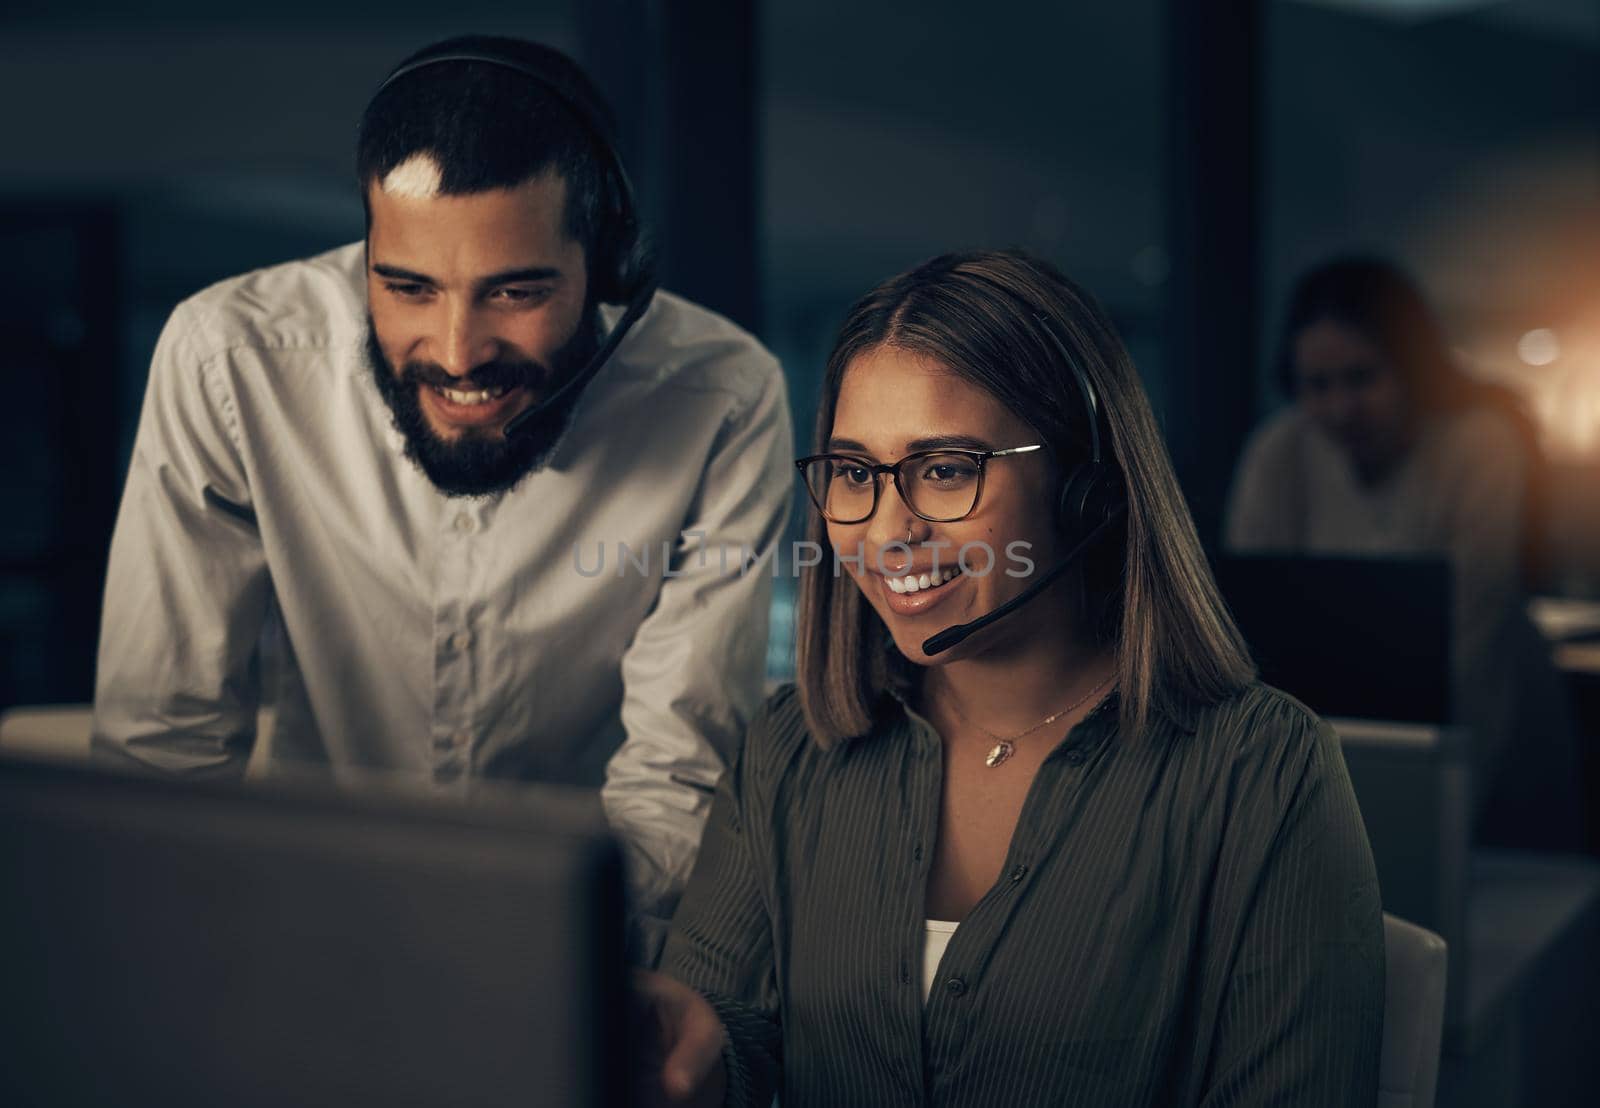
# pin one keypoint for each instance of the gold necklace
(1004, 748)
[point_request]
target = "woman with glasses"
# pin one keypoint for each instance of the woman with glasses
(1074, 854)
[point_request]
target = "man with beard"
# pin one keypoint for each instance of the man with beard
(368, 458)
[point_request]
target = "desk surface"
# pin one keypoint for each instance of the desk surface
(1559, 618)
(1573, 629)
(1578, 658)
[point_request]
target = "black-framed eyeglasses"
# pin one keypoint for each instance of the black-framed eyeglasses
(940, 486)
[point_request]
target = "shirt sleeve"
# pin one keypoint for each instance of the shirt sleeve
(1262, 512)
(186, 587)
(721, 940)
(694, 672)
(1301, 1015)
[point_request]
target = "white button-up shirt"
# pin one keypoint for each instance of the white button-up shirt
(445, 640)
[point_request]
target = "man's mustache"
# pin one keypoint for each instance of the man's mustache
(499, 374)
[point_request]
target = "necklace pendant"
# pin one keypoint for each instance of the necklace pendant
(999, 753)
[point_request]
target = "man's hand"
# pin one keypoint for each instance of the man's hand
(680, 1040)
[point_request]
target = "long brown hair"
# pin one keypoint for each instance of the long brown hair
(1158, 608)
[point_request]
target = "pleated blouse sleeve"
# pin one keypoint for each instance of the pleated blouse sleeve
(721, 939)
(1300, 1013)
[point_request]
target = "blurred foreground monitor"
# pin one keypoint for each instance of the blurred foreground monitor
(173, 943)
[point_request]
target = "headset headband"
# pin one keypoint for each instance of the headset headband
(1091, 400)
(591, 115)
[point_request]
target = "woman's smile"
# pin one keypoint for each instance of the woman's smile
(912, 594)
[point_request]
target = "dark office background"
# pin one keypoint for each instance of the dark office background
(1182, 158)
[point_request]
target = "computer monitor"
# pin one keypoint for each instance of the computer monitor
(173, 943)
(1366, 638)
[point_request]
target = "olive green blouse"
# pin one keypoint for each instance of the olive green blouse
(1186, 916)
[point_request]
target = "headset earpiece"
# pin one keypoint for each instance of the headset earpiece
(624, 264)
(1092, 492)
(1090, 495)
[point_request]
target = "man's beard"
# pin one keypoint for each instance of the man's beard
(482, 462)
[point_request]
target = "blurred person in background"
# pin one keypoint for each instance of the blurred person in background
(1389, 449)
(395, 455)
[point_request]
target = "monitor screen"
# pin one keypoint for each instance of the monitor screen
(1360, 637)
(174, 943)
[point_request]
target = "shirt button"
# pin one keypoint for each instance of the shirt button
(1075, 757)
(463, 523)
(1018, 873)
(460, 641)
(955, 986)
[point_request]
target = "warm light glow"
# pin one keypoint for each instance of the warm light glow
(1539, 347)
(1516, 241)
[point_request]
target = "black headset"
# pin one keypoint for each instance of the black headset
(1092, 497)
(621, 263)
(1093, 492)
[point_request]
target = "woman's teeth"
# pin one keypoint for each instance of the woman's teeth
(482, 396)
(917, 582)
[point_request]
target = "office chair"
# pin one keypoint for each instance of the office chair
(1413, 1015)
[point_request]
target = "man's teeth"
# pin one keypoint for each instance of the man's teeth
(913, 582)
(483, 396)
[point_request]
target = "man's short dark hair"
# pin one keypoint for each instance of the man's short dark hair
(489, 127)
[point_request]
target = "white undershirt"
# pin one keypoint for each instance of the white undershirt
(936, 936)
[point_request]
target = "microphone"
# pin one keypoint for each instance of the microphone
(577, 382)
(952, 636)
